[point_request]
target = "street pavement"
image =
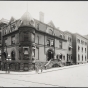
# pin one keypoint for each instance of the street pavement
(68, 76)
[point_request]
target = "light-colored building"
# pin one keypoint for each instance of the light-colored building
(79, 51)
(68, 36)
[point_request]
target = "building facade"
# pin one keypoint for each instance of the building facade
(79, 51)
(69, 47)
(26, 38)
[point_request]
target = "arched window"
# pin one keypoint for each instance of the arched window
(13, 55)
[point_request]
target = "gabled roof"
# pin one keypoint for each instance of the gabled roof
(51, 24)
(12, 20)
(4, 21)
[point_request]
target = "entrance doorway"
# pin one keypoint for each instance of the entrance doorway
(50, 54)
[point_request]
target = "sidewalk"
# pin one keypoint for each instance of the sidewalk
(44, 71)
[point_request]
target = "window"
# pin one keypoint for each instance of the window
(33, 37)
(13, 55)
(82, 42)
(32, 22)
(78, 48)
(85, 58)
(5, 41)
(82, 57)
(69, 48)
(70, 39)
(13, 39)
(78, 40)
(52, 42)
(85, 50)
(38, 26)
(12, 26)
(82, 49)
(60, 44)
(33, 53)
(78, 57)
(26, 36)
(50, 31)
(26, 51)
(48, 42)
(63, 57)
(60, 35)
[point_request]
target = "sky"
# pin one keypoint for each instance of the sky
(69, 16)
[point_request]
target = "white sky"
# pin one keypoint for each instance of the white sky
(67, 15)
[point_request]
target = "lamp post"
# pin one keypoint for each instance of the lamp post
(8, 60)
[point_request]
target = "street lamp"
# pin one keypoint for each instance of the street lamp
(8, 60)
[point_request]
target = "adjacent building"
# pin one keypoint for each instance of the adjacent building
(79, 51)
(69, 47)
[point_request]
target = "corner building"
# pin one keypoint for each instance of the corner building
(26, 37)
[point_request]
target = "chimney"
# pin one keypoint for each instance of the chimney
(41, 16)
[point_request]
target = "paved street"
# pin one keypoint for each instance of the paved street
(69, 76)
